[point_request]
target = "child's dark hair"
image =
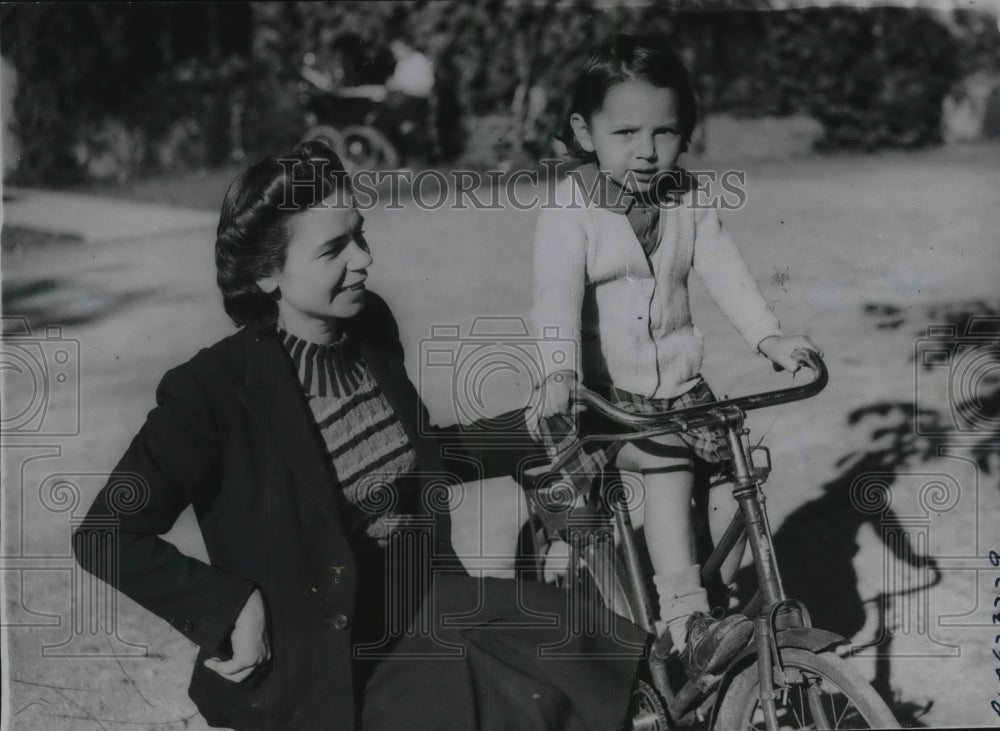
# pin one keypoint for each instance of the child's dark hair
(252, 238)
(627, 58)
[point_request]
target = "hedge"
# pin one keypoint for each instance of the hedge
(873, 78)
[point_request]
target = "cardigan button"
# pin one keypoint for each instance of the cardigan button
(339, 621)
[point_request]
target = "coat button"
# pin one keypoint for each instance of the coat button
(341, 621)
(187, 625)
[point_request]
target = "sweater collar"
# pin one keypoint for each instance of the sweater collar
(334, 369)
(604, 192)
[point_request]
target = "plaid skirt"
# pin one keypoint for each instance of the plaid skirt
(708, 443)
(559, 435)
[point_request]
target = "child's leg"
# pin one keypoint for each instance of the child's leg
(722, 507)
(668, 477)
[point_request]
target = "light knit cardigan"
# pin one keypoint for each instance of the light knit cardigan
(629, 317)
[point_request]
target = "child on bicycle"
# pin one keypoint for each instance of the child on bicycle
(611, 262)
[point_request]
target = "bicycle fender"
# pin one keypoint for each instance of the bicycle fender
(801, 638)
(808, 638)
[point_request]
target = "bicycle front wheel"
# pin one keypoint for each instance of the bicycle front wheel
(823, 692)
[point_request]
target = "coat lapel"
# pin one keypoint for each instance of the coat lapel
(286, 435)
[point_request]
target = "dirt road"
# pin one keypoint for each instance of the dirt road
(861, 253)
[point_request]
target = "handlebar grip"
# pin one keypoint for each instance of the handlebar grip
(803, 356)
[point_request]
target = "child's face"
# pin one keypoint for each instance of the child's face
(635, 134)
(325, 266)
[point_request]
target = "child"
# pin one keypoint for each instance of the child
(612, 258)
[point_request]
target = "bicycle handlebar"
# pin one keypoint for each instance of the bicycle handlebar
(711, 413)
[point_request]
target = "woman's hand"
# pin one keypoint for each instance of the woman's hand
(556, 393)
(556, 565)
(780, 348)
(251, 647)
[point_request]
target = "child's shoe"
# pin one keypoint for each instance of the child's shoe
(712, 643)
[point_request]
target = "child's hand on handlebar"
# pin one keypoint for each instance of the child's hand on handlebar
(557, 391)
(781, 349)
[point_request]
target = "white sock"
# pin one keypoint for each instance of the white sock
(681, 594)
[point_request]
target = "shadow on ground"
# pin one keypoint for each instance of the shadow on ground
(46, 302)
(960, 349)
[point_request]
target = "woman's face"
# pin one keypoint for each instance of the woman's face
(326, 265)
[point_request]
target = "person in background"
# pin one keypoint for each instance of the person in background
(409, 100)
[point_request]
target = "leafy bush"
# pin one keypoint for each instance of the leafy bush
(107, 86)
(873, 78)
(878, 78)
(113, 79)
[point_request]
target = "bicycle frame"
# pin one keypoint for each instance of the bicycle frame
(779, 621)
(750, 520)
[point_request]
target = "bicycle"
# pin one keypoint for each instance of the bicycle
(788, 675)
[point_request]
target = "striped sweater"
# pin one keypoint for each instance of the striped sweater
(369, 451)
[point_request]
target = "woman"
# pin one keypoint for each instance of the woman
(296, 441)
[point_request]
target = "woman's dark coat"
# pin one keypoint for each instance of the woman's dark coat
(233, 436)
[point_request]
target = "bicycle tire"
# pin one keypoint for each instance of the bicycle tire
(648, 711)
(740, 707)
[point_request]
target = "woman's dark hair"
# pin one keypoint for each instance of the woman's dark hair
(626, 58)
(252, 238)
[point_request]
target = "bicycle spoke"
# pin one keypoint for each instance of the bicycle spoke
(835, 698)
(839, 716)
(800, 721)
(815, 700)
(847, 710)
(814, 703)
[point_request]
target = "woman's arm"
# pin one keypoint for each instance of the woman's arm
(174, 456)
(491, 447)
(499, 446)
(502, 445)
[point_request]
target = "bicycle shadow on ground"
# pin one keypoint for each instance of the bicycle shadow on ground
(819, 540)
